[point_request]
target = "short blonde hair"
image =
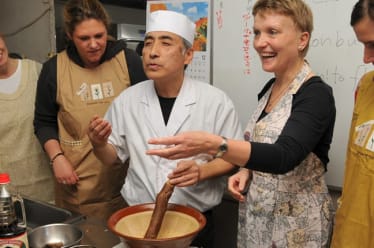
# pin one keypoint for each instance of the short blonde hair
(297, 10)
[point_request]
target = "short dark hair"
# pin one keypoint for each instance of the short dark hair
(362, 9)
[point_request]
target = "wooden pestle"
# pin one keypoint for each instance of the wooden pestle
(158, 214)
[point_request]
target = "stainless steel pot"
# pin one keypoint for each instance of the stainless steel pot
(56, 235)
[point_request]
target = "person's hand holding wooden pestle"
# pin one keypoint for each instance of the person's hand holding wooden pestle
(158, 214)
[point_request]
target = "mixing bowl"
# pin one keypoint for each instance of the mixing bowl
(179, 227)
(55, 235)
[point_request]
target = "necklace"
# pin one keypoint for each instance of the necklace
(273, 99)
(304, 73)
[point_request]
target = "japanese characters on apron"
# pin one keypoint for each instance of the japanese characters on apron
(289, 210)
(354, 222)
(82, 93)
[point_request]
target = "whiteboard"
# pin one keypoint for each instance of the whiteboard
(334, 54)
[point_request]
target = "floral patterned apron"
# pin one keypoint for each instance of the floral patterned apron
(289, 210)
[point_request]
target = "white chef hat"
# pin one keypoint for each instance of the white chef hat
(174, 22)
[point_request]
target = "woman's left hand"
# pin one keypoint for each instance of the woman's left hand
(238, 182)
(187, 173)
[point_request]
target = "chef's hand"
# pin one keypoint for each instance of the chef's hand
(99, 131)
(238, 182)
(187, 173)
(64, 171)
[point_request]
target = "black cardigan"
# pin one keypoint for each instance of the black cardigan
(309, 129)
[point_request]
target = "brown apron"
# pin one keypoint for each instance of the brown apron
(82, 93)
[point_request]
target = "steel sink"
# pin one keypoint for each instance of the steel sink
(40, 213)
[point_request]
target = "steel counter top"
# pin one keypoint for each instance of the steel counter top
(96, 233)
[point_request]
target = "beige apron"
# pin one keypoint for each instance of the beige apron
(82, 93)
(354, 221)
(21, 155)
(289, 210)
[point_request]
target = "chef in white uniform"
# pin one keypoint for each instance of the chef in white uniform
(166, 104)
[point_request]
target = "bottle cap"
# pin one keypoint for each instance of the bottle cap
(4, 178)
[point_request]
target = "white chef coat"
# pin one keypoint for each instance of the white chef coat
(136, 117)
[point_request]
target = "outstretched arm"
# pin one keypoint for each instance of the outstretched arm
(191, 143)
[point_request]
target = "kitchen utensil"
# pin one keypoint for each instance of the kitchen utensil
(55, 235)
(179, 227)
(158, 214)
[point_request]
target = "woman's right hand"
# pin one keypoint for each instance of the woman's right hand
(99, 131)
(64, 171)
(238, 182)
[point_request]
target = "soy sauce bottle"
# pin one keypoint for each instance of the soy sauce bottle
(12, 232)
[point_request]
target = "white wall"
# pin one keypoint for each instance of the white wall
(29, 27)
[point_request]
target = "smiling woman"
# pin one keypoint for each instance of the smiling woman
(87, 75)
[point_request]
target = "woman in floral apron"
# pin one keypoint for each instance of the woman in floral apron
(287, 139)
